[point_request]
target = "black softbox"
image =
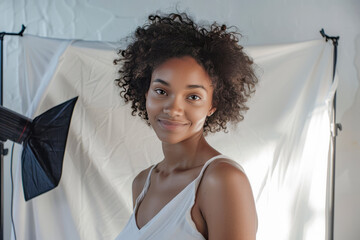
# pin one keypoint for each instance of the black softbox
(44, 142)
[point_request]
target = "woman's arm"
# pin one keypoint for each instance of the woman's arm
(226, 203)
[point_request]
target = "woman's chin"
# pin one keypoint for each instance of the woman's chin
(169, 138)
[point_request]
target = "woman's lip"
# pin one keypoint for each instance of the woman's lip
(170, 124)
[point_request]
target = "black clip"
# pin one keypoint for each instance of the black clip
(333, 39)
(2, 34)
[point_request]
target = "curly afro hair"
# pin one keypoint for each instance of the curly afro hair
(214, 47)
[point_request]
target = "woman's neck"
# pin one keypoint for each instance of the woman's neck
(188, 154)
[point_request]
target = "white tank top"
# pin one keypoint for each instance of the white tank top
(173, 221)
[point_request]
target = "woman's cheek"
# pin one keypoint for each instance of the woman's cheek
(200, 116)
(151, 106)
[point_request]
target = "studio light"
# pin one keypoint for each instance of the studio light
(44, 142)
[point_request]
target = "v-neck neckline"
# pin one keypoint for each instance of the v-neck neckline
(162, 209)
(147, 185)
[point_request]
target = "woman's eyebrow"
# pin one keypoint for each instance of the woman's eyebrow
(188, 86)
(196, 86)
(161, 81)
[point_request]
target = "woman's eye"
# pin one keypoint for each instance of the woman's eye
(160, 91)
(194, 97)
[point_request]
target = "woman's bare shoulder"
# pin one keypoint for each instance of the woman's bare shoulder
(226, 164)
(225, 196)
(225, 172)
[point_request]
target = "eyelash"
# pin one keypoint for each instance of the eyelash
(198, 98)
(162, 92)
(158, 90)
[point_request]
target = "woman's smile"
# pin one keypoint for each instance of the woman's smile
(172, 125)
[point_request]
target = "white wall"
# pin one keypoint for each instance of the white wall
(261, 22)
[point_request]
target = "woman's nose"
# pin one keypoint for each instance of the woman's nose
(173, 107)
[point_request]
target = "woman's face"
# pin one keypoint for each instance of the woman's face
(179, 99)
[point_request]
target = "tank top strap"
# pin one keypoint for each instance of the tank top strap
(145, 188)
(208, 162)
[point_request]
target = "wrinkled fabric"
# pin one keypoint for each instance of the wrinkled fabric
(283, 142)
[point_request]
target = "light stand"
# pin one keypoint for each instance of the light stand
(3, 151)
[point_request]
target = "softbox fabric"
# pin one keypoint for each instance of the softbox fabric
(283, 143)
(44, 149)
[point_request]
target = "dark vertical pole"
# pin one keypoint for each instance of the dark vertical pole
(1, 144)
(333, 137)
(334, 133)
(2, 188)
(1, 69)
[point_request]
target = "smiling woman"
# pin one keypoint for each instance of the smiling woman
(186, 81)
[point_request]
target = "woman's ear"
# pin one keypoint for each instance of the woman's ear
(211, 111)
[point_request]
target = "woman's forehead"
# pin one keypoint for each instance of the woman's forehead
(184, 70)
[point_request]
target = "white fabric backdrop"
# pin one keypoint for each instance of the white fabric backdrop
(283, 143)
